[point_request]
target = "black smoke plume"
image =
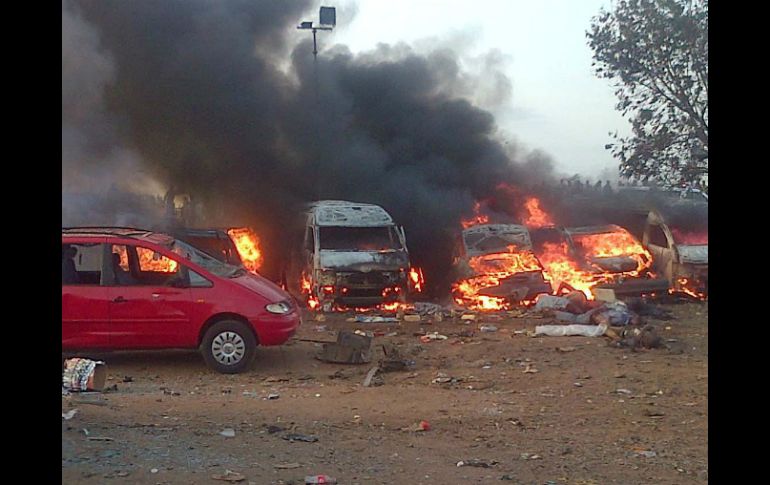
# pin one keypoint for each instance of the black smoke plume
(219, 100)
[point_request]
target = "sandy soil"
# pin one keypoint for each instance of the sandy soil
(591, 414)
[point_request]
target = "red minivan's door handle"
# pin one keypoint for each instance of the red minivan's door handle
(119, 299)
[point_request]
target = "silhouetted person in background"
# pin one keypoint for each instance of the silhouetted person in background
(607, 187)
(69, 274)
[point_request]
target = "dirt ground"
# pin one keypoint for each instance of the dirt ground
(536, 410)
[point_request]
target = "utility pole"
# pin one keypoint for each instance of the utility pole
(327, 21)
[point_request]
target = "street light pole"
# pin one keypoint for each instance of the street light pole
(328, 19)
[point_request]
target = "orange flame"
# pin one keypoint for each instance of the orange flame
(247, 243)
(689, 287)
(417, 279)
(478, 217)
(490, 269)
(533, 215)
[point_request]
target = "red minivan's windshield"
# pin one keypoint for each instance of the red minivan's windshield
(202, 259)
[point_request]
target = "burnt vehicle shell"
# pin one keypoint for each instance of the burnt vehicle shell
(490, 242)
(353, 255)
(617, 266)
(673, 259)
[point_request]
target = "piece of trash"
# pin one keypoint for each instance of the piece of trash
(300, 437)
(374, 319)
(432, 336)
(568, 330)
(128, 379)
(320, 328)
(154, 470)
(528, 456)
(488, 328)
(69, 414)
(100, 438)
(228, 432)
(646, 453)
(421, 426)
(468, 316)
(309, 480)
(229, 476)
(369, 380)
(412, 318)
(84, 375)
(286, 466)
(273, 396)
(250, 394)
(623, 391)
(551, 302)
(530, 370)
(477, 463)
(272, 429)
(350, 348)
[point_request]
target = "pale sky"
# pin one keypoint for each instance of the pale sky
(557, 103)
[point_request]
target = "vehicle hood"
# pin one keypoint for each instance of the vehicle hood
(696, 254)
(364, 260)
(262, 286)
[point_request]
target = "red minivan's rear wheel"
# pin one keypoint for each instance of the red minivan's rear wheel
(229, 347)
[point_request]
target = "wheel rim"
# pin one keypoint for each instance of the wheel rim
(228, 348)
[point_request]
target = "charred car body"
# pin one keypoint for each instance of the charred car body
(353, 255)
(677, 237)
(496, 261)
(609, 254)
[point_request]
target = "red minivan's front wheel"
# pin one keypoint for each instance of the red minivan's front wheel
(229, 347)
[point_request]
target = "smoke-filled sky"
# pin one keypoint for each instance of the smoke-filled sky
(222, 100)
(555, 102)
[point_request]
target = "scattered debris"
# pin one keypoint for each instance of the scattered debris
(273, 396)
(566, 349)
(69, 414)
(127, 379)
(529, 456)
(374, 319)
(272, 429)
(286, 466)
(646, 453)
(412, 318)
(477, 463)
(370, 377)
(300, 437)
(228, 432)
(350, 348)
(566, 330)
(229, 476)
(640, 338)
(530, 370)
(313, 479)
(488, 328)
(84, 375)
(418, 427)
(468, 316)
(100, 438)
(432, 336)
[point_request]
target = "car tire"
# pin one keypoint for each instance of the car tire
(229, 347)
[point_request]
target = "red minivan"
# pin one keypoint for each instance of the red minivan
(125, 288)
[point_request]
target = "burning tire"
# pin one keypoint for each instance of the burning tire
(229, 347)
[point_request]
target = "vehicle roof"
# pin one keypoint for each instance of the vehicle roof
(497, 228)
(124, 232)
(348, 214)
(586, 230)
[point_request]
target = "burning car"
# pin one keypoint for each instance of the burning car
(677, 237)
(352, 255)
(603, 256)
(495, 267)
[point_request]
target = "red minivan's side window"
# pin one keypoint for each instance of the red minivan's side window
(141, 266)
(81, 264)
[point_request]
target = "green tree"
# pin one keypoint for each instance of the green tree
(656, 54)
